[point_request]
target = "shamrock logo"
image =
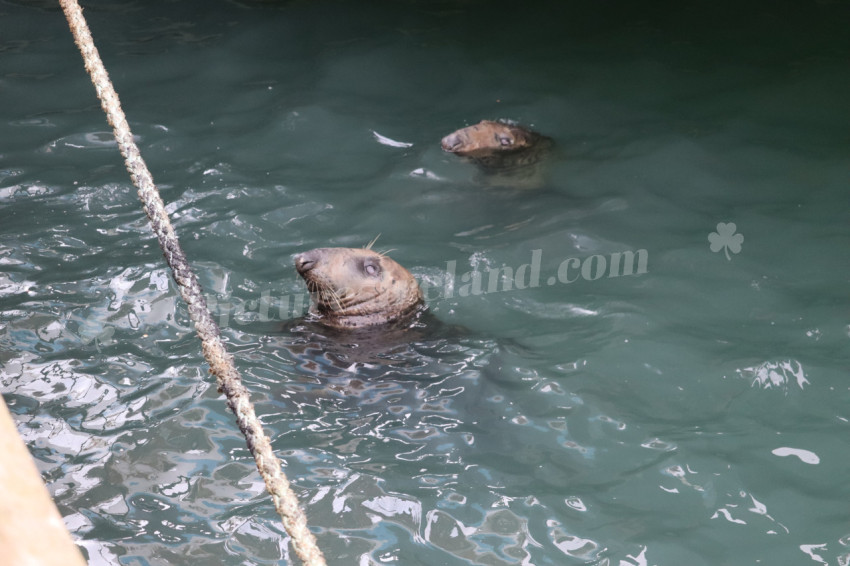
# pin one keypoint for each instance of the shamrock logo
(726, 239)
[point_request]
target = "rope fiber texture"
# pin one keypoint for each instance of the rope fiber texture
(221, 363)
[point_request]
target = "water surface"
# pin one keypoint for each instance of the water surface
(692, 412)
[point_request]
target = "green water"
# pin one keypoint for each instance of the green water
(692, 412)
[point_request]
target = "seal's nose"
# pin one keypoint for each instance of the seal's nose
(451, 142)
(306, 261)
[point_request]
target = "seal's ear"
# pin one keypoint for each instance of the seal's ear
(522, 138)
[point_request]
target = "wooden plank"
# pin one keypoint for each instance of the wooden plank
(31, 529)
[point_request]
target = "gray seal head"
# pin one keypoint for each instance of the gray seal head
(358, 287)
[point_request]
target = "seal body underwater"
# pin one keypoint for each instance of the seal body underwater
(506, 153)
(358, 288)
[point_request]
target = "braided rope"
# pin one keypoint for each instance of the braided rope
(221, 363)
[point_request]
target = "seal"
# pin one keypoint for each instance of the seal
(506, 153)
(358, 288)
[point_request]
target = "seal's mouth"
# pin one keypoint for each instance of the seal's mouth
(326, 297)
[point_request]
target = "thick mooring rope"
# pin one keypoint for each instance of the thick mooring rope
(221, 363)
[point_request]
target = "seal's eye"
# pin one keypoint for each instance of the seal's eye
(371, 267)
(504, 140)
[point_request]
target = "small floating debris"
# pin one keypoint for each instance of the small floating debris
(804, 455)
(421, 172)
(384, 140)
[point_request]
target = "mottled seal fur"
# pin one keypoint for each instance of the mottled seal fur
(506, 153)
(358, 287)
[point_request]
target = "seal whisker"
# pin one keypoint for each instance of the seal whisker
(336, 298)
(372, 243)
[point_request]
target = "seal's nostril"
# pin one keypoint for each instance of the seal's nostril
(304, 263)
(450, 142)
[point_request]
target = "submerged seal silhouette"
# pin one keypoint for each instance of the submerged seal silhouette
(501, 149)
(358, 287)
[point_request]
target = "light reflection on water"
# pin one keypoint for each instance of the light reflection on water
(619, 421)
